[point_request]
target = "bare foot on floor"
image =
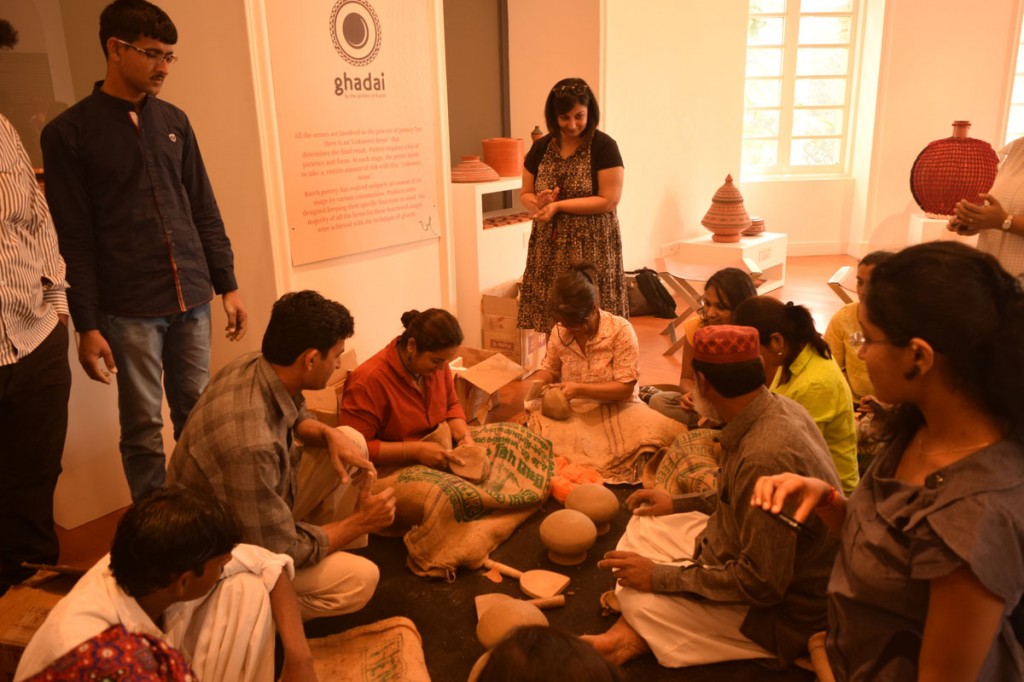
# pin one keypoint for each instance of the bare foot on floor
(620, 644)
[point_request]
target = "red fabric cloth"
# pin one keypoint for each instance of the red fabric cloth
(116, 654)
(381, 401)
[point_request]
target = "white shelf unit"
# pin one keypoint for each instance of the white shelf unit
(763, 256)
(483, 258)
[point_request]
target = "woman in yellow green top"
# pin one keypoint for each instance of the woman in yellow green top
(844, 323)
(798, 364)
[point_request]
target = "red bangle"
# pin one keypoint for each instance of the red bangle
(830, 500)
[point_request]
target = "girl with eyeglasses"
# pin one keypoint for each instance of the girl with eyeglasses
(572, 182)
(842, 326)
(590, 353)
(723, 291)
(930, 573)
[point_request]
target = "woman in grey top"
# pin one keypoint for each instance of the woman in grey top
(930, 571)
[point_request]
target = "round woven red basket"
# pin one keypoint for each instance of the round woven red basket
(951, 169)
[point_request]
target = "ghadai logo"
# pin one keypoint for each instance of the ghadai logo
(355, 31)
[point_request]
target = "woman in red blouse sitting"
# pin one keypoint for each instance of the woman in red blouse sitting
(405, 391)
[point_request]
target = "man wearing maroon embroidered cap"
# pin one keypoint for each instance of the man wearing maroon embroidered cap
(705, 578)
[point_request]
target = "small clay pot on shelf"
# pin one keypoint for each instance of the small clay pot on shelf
(472, 169)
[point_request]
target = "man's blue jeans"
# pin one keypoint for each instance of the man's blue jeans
(175, 348)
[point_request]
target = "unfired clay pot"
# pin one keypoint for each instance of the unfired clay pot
(568, 534)
(505, 616)
(597, 502)
(476, 465)
(442, 435)
(554, 404)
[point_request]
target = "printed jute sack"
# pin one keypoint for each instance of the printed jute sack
(389, 650)
(688, 465)
(615, 438)
(453, 522)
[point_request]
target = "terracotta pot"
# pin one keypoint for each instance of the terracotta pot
(568, 534)
(951, 169)
(504, 155)
(756, 227)
(472, 169)
(727, 217)
(504, 617)
(597, 502)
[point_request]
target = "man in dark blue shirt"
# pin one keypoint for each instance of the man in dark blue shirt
(142, 237)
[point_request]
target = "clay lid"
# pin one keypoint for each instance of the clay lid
(726, 217)
(728, 193)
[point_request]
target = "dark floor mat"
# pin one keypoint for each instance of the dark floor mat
(445, 613)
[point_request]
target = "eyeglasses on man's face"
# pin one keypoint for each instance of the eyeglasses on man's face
(155, 56)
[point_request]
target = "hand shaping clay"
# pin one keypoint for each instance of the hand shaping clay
(475, 462)
(505, 616)
(536, 389)
(568, 534)
(442, 435)
(597, 502)
(554, 404)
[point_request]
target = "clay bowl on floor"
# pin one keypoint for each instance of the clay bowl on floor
(597, 502)
(568, 534)
(504, 617)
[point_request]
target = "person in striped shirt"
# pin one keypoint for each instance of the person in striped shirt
(35, 379)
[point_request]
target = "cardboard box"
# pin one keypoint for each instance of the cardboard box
(500, 311)
(479, 375)
(326, 403)
(22, 610)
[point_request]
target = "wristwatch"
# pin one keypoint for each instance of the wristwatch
(1008, 223)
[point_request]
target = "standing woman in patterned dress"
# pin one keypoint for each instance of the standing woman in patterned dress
(572, 182)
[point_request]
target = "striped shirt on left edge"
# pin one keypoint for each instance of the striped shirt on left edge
(32, 285)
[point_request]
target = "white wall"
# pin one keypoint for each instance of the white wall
(674, 103)
(224, 107)
(941, 61)
(549, 41)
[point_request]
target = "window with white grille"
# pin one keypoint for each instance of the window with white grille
(799, 78)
